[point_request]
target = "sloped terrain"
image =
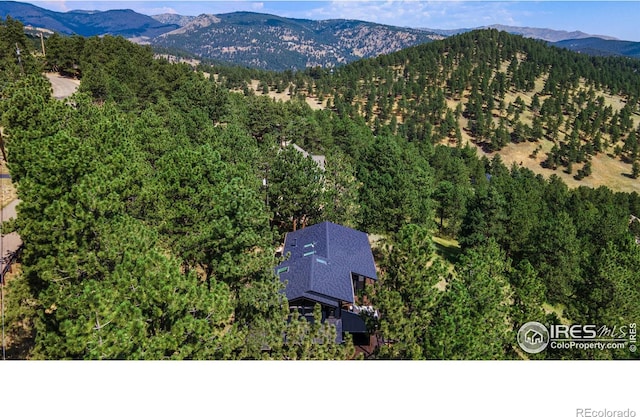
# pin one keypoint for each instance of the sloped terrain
(552, 110)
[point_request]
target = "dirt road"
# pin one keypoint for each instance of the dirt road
(62, 87)
(10, 242)
(9, 212)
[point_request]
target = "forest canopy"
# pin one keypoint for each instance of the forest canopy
(153, 199)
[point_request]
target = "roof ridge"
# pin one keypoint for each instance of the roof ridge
(326, 239)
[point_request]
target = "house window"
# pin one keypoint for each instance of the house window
(309, 253)
(283, 269)
(321, 261)
(358, 285)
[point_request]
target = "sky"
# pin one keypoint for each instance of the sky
(612, 18)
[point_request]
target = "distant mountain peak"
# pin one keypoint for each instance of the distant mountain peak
(549, 35)
(199, 22)
(204, 20)
(173, 19)
(78, 11)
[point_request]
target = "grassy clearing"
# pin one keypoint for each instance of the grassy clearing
(447, 248)
(285, 96)
(606, 171)
(616, 102)
(558, 310)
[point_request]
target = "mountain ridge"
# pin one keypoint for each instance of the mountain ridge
(601, 47)
(545, 34)
(124, 22)
(274, 42)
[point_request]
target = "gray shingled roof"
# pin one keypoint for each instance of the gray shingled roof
(321, 259)
(318, 159)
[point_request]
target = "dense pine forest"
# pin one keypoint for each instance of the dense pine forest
(153, 199)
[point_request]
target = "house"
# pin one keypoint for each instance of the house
(330, 265)
(318, 159)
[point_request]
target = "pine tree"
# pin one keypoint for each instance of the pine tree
(472, 320)
(295, 185)
(635, 170)
(406, 294)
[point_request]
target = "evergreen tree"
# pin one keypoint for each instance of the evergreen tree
(472, 320)
(396, 186)
(295, 189)
(406, 294)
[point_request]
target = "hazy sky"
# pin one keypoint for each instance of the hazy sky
(614, 18)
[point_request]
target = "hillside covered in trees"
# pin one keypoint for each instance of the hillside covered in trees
(149, 232)
(278, 43)
(494, 89)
